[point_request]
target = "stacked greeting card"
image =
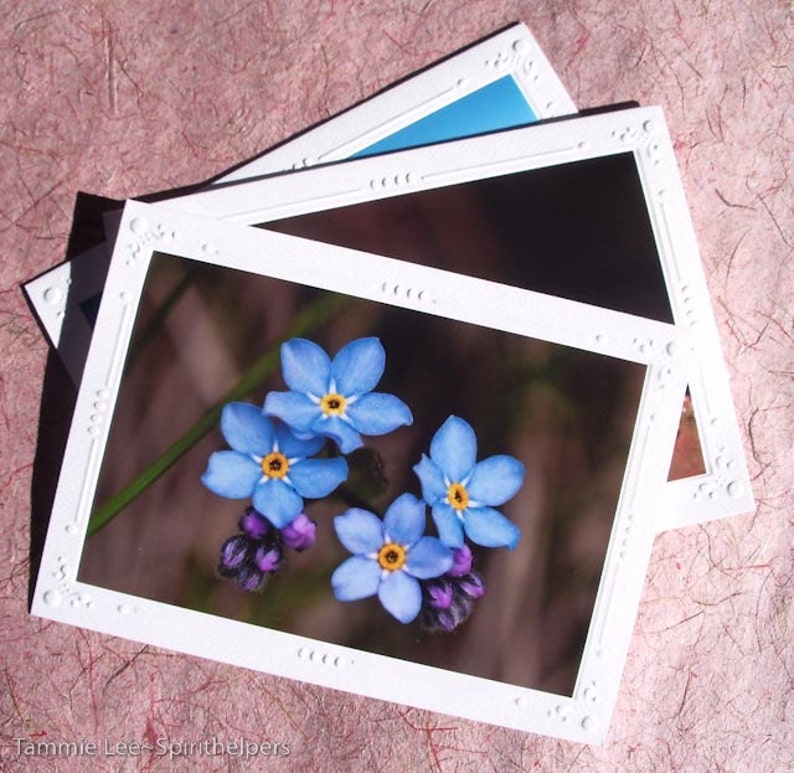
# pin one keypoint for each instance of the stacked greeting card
(399, 407)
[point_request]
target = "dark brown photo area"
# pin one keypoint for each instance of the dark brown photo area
(566, 414)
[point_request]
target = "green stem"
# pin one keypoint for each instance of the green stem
(318, 312)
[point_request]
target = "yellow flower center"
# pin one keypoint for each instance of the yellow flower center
(457, 496)
(333, 404)
(275, 465)
(391, 556)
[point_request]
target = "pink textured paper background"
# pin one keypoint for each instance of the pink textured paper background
(126, 98)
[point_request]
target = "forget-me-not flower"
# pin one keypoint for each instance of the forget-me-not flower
(390, 557)
(270, 465)
(463, 492)
(335, 398)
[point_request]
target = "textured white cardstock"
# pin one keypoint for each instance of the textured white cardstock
(557, 350)
(638, 137)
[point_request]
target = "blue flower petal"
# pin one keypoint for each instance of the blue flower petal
(401, 596)
(305, 367)
(316, 478)
(450, 528)
(277, 501)
(360, 531)
(339, 431)
(454, 448)
(428, 558)
(246, 430)
(356, 578)
(293, 447)
(231, 475)
(431, 479)
(489, 528)
(405, 520)
(293, 408)
(495, 480)
(358, 366)
(377, 413)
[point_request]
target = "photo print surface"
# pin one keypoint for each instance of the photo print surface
(206, 336)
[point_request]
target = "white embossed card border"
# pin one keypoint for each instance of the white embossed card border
(148, 232)
(724, 488)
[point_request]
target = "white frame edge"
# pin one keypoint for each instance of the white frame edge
(584, 716)
(513, 52)
(725, 487)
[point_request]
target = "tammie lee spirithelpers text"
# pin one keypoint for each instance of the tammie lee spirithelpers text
(212, 746)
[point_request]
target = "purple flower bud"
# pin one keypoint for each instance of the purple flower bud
(461, 562)
(249, 578)
(233, 554)
(445, 622)
(267, 558)
(449, 601)
(300, 533)
(462, 608)
(254, 524)
(441, 594)
(472, 585)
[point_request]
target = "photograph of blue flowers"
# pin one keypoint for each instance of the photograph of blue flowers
(362, 474)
